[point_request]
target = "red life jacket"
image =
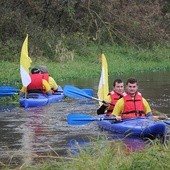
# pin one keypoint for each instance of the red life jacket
(114, 98)
(133, 108)
(36, 82)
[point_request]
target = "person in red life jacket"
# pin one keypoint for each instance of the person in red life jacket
(132, 104)
(39, 83)
(51, 81)
(116, 93)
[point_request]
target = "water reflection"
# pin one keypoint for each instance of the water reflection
(34, 132)
(29, 133)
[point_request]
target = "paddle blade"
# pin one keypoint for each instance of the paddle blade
(7, 91)
(7, 94)
(80, 119)
(90, 92)
(75, 92)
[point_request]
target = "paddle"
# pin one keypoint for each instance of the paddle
(161, 116)
(90, 92)
(81, 119)
(77, 93)
(8, 91)
(58, 93)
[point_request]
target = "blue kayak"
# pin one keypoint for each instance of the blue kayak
(139, 127)
(39, 99)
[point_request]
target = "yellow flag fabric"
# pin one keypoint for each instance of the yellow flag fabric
(25, 63)
(103, 88)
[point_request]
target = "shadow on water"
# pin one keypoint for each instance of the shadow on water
(29, 134)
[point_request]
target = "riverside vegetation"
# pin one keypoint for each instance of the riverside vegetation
(102, 155)
(121, 60)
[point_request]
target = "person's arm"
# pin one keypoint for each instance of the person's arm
(147, 108)
(23, 91)
(46, 86)
(101, 110)
(148, 111)
(118, 109)
(53, 84)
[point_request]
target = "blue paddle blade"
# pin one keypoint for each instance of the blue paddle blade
(6, 94)
(75, 92)
(80, 119)
(7, 91)
(90, 92)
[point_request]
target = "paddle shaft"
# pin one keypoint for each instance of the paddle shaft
(57, 93)
(8, 91)
(82, 119)
(102, 101)
(92, 119)
(75, 92)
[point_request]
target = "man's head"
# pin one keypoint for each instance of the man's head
(43, 69)
(132, 86)
(118, 86)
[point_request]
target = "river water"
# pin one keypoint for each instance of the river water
(29, 134)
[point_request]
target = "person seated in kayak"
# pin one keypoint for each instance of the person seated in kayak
(132, 104)
(113, 96)
(51, 81)
(39, 83)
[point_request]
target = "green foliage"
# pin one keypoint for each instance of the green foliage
(9, 51)
(121, 60)
(82, 45)
(82, 24)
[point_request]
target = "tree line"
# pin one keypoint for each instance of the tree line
(74, 23)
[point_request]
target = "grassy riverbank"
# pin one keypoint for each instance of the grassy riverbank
(102, 155)
(121, 60)
(114, 156)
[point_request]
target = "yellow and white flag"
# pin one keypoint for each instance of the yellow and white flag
(103, 88)
(25, 63)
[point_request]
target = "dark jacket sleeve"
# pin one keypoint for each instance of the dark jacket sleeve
(101, 110)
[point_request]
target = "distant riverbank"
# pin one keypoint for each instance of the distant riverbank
(121, 60)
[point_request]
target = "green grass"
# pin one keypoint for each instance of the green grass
(121, 60)
(103, 155)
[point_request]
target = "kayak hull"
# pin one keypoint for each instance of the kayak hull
(39, 99)
(139, 127)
